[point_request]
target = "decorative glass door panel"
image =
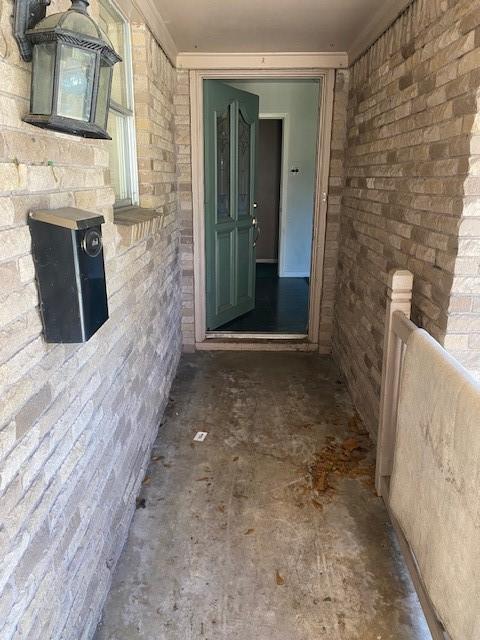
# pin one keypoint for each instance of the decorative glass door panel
(244, 165)
(223, 153)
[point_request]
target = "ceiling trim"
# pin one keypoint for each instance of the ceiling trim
(380, 22)
(292, 60)
(157, 26)
(149, 13)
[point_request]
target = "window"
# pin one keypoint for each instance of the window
(121, 125)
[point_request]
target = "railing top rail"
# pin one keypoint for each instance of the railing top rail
(402, 326)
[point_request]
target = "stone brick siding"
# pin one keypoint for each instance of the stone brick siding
(463, 324)
(155, 83)
(185, 204)
(335, 192)
(409, 177)
(77, 421)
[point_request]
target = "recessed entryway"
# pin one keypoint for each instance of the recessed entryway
(263, 167)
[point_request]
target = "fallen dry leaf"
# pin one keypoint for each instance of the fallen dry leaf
(350, 444)
(349, 458)
(280, 580)
(356, 425)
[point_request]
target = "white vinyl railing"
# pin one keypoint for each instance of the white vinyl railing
(398, 328)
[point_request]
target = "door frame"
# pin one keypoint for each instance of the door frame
(322, 172)
(284, 117)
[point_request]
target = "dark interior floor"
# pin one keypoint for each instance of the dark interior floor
(281, 304)
(270, 529)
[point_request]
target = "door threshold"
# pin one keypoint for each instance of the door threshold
(255, 344)
(254, 335)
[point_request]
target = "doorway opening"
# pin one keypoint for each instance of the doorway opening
(281, 298)
(207, 335)
(264, 164)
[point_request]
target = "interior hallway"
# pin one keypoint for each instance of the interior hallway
(270, 528)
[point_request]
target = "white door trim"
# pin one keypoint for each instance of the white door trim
(327, 76)
(260, 62)
(322, 175)
(284, 117)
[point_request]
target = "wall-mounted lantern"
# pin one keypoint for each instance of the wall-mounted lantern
(72, 68)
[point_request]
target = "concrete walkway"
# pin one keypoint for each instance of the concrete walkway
(270, 528)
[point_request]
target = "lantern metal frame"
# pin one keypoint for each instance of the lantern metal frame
(28, 13)
(28, 33)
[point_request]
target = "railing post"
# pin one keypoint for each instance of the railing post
(399, 298)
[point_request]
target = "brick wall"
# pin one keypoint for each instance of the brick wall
(77, 421)
(185, 204)
(409, 177)
(463, 323)
(155, 85)
(335, 192)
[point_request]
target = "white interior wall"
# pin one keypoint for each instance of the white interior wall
(299, 99)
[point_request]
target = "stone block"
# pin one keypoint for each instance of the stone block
(32, 410)
(12, 177)
(7, 212)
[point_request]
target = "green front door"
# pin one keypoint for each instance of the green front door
(231, 126)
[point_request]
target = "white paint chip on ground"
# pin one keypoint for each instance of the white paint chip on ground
(200, 436)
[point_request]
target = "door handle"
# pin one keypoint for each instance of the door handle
(257, 230)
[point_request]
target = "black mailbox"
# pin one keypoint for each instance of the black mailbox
(68, 255)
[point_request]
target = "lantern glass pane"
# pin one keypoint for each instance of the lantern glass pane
(75, 83)
(43, 72)
(103, 96)
(80, 23)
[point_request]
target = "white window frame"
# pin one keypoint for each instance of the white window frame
(128, 115)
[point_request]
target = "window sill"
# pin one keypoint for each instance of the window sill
(135, 224)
